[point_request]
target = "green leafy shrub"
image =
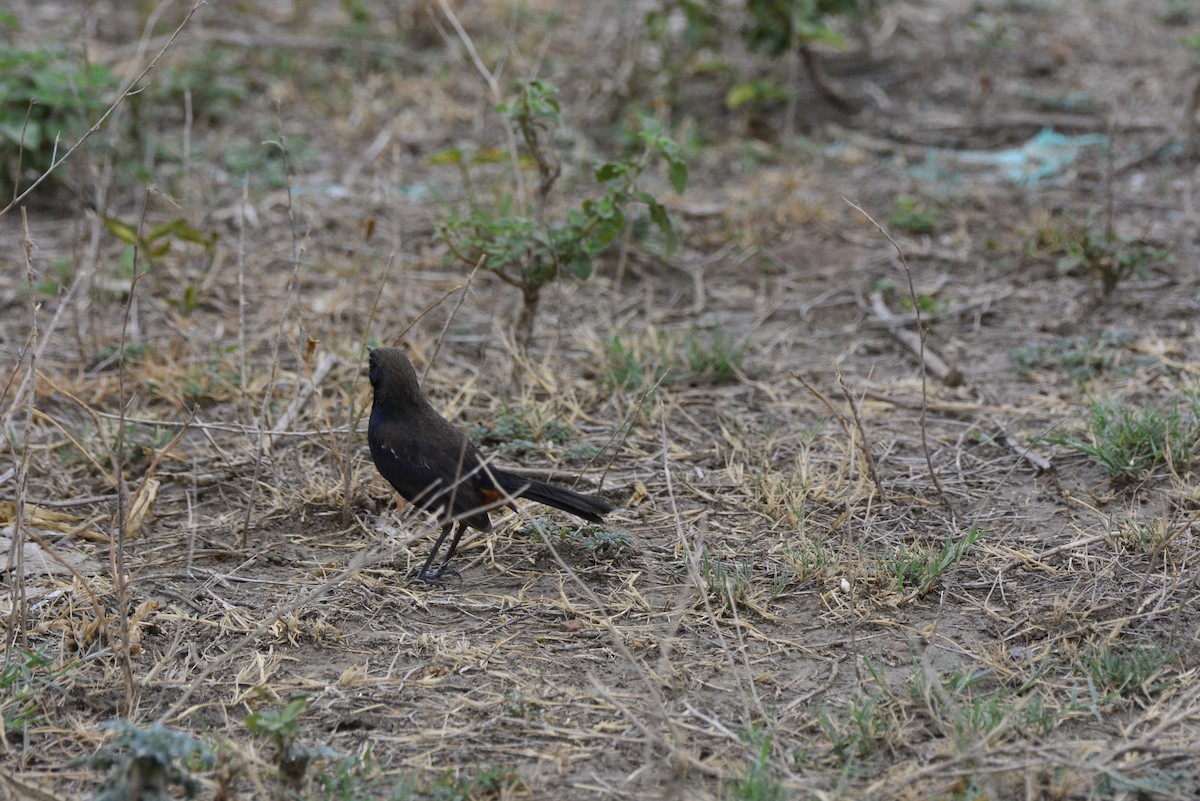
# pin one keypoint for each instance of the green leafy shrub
(1108, 258)
(530, 249)
(48, 99)
(282, 728)
(1095, 250)
(144, 764)
(775, 27)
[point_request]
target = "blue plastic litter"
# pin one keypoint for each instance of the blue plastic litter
(1042, 158)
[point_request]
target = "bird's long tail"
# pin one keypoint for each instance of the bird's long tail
(588, 507)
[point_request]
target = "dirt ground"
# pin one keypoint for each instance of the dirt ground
(831, 573)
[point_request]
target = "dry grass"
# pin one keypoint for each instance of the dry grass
(826, 577)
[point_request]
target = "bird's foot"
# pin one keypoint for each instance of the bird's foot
(437, 576)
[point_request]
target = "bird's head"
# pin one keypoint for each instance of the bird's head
(393, 378)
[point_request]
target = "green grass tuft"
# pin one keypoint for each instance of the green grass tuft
(1132, 442)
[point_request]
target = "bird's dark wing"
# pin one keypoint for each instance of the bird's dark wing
(423, 471)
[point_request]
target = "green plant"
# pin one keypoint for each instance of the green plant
(601, 541)
(25, 678)
(726, 584)
(141, 443)
(264, 163)
(1131, 442)
(691, 35)
(930, 306)
(1108, 258)
(701, 355)
(491, 782)
(757, 781)
(781, 27)
(530, 250)
(208, 382)
(807, 557)
(682, 49)
(994, 32)
(360, 22)
(156, 243)
(518, 706)
(913, 216)
(282, 727)
(518, 430)
(351, 779)
(857, 730)
(144, 764)
(215, 83)
(918, 570)
(596, 541)
(776, 27)
(633, 365)
(717, 356)
(1127, 670)
(57, 278)
(1177, 13)
(130, 353)
(781, 494)
(48, 98)
(1146, 537)
(754, 93)
(582, 451)
(967, 703)
(1084, 358)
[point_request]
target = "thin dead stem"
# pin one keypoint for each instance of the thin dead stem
(864, 443)
(120, 576)
(462, 296)
(490, 78)
(912, 292)
(243, 374)
(18, 618)
(265, 441)
(354, 415)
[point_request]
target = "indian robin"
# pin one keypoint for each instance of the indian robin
(437, 468)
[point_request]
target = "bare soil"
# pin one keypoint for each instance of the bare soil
(738, 623)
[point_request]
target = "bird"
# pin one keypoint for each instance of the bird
(437, 468)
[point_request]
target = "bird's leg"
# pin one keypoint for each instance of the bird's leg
(435, 576)
(462, 526)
